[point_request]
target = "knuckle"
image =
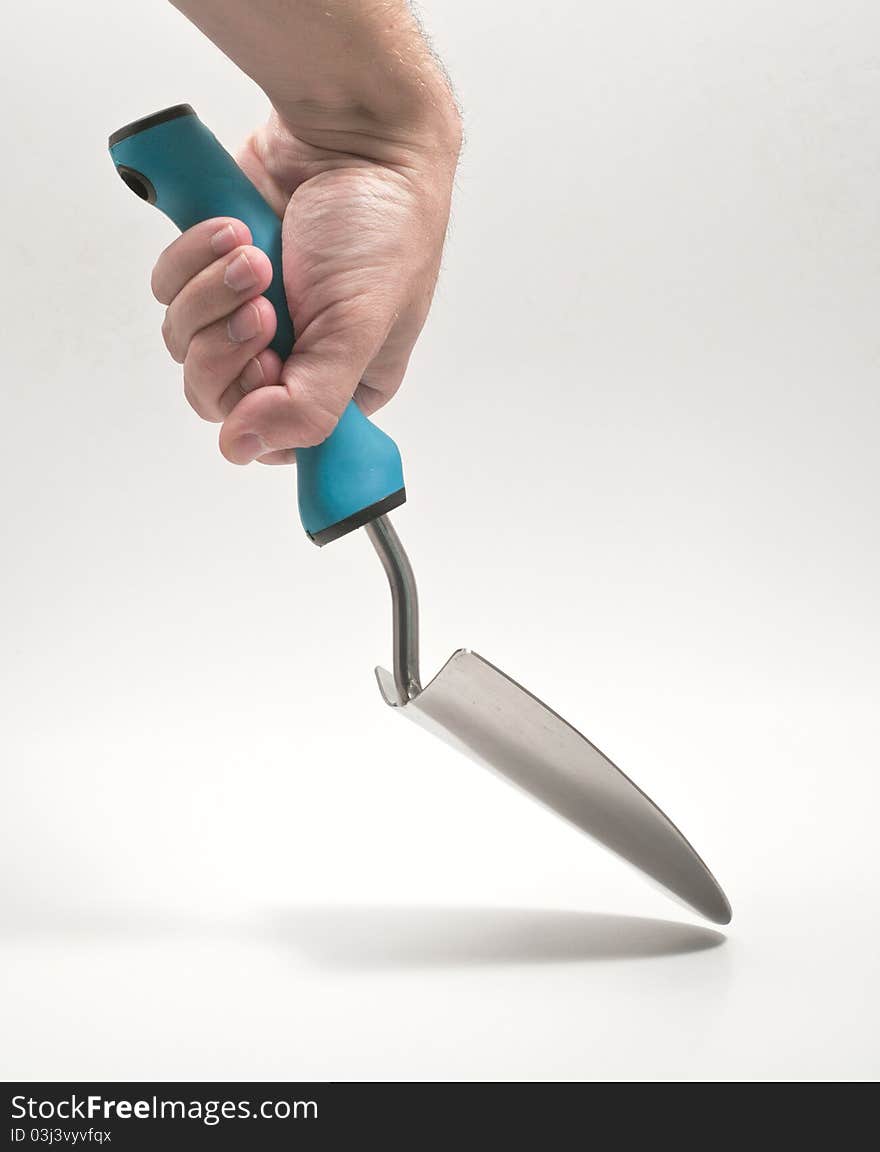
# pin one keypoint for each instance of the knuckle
(169, 338)
(157, 287)
(194, 396)
(314, 405)
(317, 423)
(200, 356)
(230, 399)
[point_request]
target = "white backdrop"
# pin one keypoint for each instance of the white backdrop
(640, 437)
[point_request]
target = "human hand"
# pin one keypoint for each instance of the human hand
(362, 238)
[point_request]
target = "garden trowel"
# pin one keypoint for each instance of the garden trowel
(353, 480)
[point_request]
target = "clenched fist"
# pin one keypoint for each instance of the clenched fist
(362, 238)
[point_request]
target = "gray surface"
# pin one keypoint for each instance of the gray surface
(640, 440)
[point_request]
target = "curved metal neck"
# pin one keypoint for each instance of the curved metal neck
(405, 606)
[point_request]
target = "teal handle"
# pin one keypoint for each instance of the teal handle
(173, 161)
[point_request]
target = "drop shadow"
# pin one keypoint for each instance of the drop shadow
(367, 937)
(438, 937)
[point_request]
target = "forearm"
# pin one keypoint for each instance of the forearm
(350, 74)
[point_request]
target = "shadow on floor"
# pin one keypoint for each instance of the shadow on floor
(415, 937)
(384, 937)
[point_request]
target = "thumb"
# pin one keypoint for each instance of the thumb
(315, 386)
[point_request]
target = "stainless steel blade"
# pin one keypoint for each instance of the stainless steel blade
(478, 709)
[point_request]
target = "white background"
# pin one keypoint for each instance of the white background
(640, 436)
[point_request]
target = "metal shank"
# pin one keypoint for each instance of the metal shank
(405, 606)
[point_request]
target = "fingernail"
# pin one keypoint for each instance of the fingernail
(249, 447)
(223, 241)
(239, 275)
(244, 324)
(251, 377)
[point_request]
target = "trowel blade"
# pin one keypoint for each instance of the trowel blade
(478, 709)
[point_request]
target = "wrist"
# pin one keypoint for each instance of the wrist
(395, 131)
(350, 76)
(398, 142)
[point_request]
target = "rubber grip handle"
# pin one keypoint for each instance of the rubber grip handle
(173, 161)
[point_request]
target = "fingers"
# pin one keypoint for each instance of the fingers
(214, 292)
(219, 358)
(264, 369)
(315, 385)
(217, 324)
(194, 250)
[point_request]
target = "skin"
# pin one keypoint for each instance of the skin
(358, 159)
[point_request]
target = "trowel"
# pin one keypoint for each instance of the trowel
(353, 480)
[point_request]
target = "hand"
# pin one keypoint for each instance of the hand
(361, 239)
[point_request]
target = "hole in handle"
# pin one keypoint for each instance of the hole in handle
(137, 182)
